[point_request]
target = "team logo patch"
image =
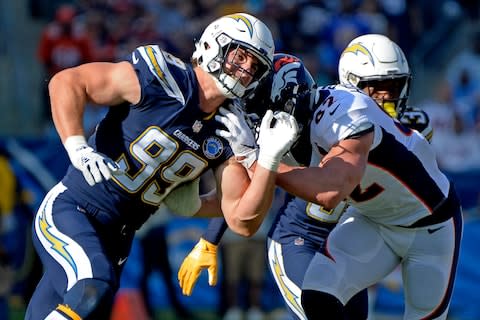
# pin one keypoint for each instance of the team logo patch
(212, 147)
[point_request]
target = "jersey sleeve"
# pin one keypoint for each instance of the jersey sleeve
(215, 230)
(161, 75)
(340, 116)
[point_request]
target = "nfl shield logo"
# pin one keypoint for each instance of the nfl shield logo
(299, 241)
(197, 126)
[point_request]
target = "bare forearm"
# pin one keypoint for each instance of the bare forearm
(323, 186)
(337, 174)
(246, 202)
(245, 215)
(257, 200)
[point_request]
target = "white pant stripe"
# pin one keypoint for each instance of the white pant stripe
(291, 293)
(62, 248)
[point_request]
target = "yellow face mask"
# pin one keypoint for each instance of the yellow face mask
(389, 107)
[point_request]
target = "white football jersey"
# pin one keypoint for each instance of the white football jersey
(402, 182)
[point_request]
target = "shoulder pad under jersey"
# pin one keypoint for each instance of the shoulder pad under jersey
(417, 119)
(337, 116)
(157, 67)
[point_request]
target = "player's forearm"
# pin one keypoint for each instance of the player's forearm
(247, 215)
(314, 184)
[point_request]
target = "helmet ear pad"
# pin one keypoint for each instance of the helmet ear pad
(228, 33)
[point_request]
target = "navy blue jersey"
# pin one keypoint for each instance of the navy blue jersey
(307, 220)
(160, 143)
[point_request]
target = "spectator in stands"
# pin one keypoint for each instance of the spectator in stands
(369, 11)
(7, 201)
(441, 108)
(63, 44)
(463, 148)
(463, 74)
(344, 24)
(20, 267)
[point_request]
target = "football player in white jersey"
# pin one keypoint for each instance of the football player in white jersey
(301, 227)
(402, 209)
(158, 134)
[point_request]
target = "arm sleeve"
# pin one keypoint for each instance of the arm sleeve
(215, 230)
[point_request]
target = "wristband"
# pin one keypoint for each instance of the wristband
(268, 162)
(248, 159)
(215, 230)
(75, 143)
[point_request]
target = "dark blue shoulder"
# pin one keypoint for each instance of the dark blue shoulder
(163, 75)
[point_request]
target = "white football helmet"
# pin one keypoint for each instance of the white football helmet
(370, 59)
(229, 32)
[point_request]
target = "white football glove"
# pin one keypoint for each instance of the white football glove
(94, 166)
(185, 199)
(238, 134)
(275, 141)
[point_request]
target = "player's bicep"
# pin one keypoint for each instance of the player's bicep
(349, 156)
(109, 83)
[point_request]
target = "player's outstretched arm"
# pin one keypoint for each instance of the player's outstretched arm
(244, 201)
(70, 90)
(339, 172)
(203, 256)
(98, 83)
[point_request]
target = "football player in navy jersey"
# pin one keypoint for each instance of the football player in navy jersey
(160, 133)
(378, 66)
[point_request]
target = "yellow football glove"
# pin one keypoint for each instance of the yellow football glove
(203, 256)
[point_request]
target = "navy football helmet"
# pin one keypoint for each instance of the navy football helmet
(289, 88)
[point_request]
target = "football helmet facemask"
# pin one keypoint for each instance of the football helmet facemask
(228, 33)
(373, 60)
